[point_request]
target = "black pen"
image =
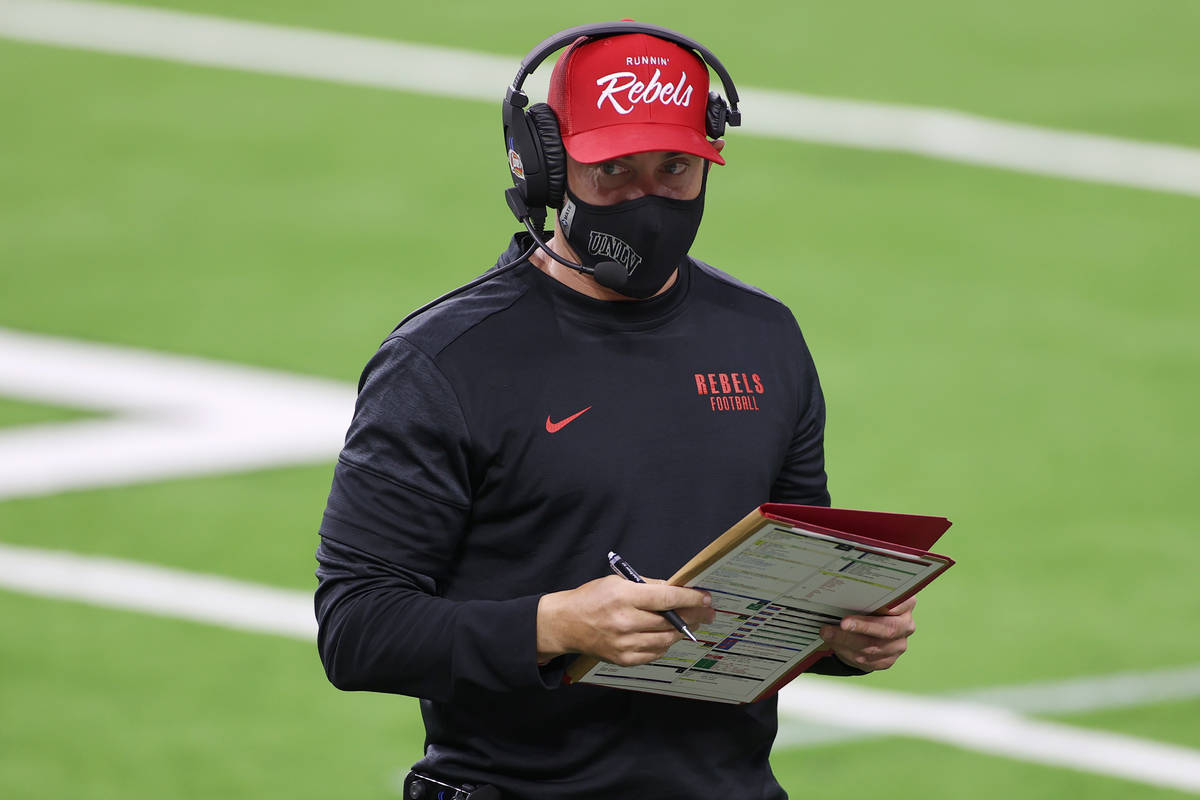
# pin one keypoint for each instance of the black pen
(626, 571)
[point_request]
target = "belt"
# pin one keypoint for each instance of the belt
(423, 787)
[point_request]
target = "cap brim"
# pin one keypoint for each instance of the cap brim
(614, 141)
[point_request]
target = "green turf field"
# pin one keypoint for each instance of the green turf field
(1018, 352)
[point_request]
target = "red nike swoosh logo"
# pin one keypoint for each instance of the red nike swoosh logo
(555, 427)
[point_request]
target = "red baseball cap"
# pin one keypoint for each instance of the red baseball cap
(630, 93)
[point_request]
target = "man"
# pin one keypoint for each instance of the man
(509, 437)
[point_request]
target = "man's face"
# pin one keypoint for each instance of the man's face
(675, 175)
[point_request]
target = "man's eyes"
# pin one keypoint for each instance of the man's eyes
(612, 169)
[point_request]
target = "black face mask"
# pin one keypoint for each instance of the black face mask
(648, 236)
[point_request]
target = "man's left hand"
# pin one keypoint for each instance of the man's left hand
(872, 642)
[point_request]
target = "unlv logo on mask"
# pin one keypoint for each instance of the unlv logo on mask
(606, 245)
(623, 91)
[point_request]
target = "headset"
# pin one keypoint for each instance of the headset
(537, 160)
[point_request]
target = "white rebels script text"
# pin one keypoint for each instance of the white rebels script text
(679, 94)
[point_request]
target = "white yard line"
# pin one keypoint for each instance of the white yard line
(441, 71)
(1076, 695)
(258, 47)
(979, 726)
(998, 731)
(128, 585)
(175, 416)
(1070, 696)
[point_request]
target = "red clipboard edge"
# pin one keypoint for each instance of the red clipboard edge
(914, 530)
(866, 541)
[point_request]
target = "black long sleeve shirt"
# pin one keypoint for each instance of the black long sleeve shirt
(462, 497)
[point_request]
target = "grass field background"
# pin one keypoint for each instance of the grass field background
(1020, 353)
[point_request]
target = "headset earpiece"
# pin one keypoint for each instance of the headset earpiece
(544, 122)
(715, 116)
(535, 153)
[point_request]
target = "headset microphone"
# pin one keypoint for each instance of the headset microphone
(611, 274)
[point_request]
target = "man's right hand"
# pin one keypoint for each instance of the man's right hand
(615, 620)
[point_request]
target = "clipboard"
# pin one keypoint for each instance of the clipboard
(776, 576)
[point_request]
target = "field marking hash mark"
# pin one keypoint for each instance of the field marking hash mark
(173, 416)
